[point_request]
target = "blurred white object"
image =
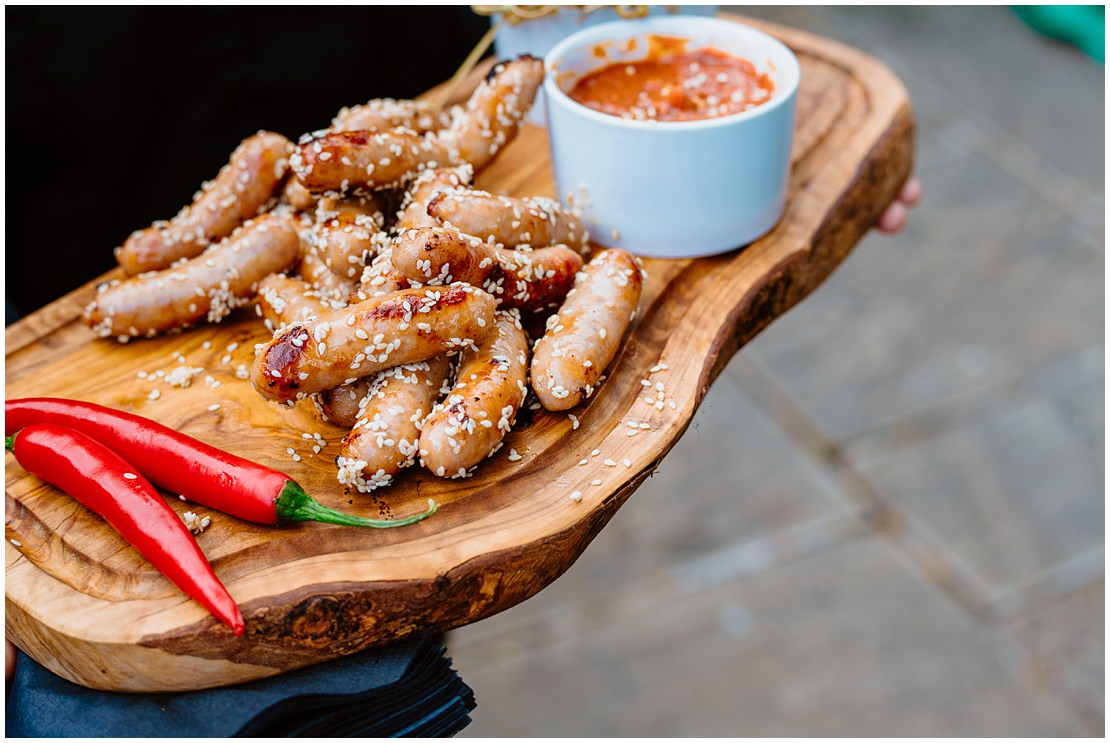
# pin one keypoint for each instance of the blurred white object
(538, 36)
(672, 189)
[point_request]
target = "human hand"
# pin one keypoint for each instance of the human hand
(9, 660)
(897, 214)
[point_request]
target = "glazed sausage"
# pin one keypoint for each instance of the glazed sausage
(297, 196)
(492, 115)
(313, 270)
(582, 338)
(240, 191)
(534, 221)
(398, 328)
(206, 287)
(425, 188)
(283, 301)
(490, 387)
(340, 405)
(380, 277)
(383, 440)
(390, 113)
(528, 280)
(343, 232)
(339, 161)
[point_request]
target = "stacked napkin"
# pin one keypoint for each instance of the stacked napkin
(407, 689)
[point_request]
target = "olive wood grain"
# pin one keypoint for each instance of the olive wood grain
(84, 604)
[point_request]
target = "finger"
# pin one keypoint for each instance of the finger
(911, 192)
(9, 659)
(894, 219)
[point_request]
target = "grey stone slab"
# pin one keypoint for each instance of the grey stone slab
(850, 643)
(985, 284)
(1010, 496)
(1068, 642)
(734, 476)
(984, 63)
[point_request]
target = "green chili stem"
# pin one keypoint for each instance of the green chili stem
(294, 504)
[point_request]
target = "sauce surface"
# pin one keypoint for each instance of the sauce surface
(672, 84)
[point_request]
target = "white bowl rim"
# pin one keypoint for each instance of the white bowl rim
(660, 24)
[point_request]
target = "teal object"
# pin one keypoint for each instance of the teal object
(1083, 26)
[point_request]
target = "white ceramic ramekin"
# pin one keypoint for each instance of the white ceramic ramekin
(672, 189)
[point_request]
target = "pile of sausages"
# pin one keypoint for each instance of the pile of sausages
(395, 289)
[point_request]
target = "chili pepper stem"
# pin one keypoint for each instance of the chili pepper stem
(9, 443)
(294, 504)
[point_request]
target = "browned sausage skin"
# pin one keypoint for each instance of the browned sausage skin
(313, 270)
(297, 196)
(240, 191)
(528, 280)
(283, 301)
(384, 438)
(398, 328)
(206, 287)
(582, 338)
(390, 113)
(490, 386)
(343, 160)
(492, 115)
(425, 188)
(380, 277)
(533, 221)
(340, 405)
(339, 160)
(343, 232)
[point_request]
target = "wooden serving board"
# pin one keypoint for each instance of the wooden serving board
(83, 603)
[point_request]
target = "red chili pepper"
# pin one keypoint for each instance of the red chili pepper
(102, 481)
(192, 468)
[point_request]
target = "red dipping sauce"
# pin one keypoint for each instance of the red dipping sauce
(672, 84)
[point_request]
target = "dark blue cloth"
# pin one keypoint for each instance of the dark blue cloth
(408, 689)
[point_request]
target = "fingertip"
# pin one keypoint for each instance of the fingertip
(9, 659)
(893, 220)
(912, 192)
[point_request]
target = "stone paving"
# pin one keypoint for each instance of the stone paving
(887, 517)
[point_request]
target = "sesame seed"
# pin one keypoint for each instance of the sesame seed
(576, 496)
(130, 476)
(609, 463)
(18, 543)
(596, 482)
(214, 407)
